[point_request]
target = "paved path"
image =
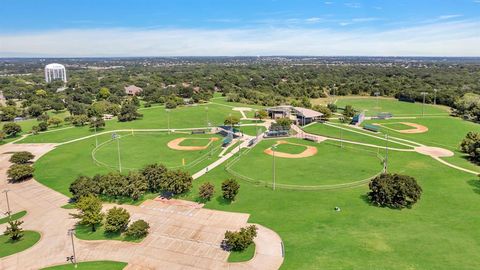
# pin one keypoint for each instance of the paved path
(183, 236)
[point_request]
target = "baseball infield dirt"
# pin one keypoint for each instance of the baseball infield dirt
(175, 144)
(310, 151)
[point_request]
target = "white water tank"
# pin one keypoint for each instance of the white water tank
(55, 71)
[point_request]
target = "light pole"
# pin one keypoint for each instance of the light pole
(341, 138)
(73, 258)
(274, 147)
(94, 119)
(117, 137)
(385, 165)
(8, 204)
(208, 122)
(168, 120)
(423, 105)
(377, 94)
(435, 97)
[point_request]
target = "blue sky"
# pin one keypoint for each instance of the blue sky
(233, 27)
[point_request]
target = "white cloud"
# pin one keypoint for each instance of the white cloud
(447, 17)
(460, 38)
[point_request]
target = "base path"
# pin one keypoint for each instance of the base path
(175, 144)
(309, 151)
(183, 235)
(434, 151)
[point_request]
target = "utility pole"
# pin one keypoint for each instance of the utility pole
(273, 151)
(208, 122)
(377, 94)
(117, 137)
(94, 119)
(423, 105)
(168, 120)
(9, 212)
(73, 258)
(435, 97)
(385, 166)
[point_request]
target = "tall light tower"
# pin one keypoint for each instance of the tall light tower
(168, 120)
(423, 105)
(377, 94)
(435, 97)
(385, 162)
(9, 212)
(73, 258)
(274, 147)
(94, 119)
(115, 136)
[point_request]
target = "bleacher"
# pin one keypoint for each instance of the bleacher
(373, 128)
(277, 133)
(198, 131)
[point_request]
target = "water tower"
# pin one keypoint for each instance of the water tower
(55, 72)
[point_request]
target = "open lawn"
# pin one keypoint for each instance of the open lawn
(194, 141)
(397, 108)
(85, 233)
(290, 148)
(13, 217)
(396, 126)
(331, 165)
(95, 265)
(9, 247)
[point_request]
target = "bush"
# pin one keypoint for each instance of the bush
(22, 157)
(117, 220)
(138, 229)
(54, 121)
(230, 189)
(471, 146)
(206, 191)
(13, 230)
(394, 191)
(78, 120)
(327, 113)
(332, 107)
(240, 240)
(170, 105)
(20, 172)
(12, 129)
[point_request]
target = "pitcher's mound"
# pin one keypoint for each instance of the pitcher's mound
(309, 151)
(434, 151)
(175, 144)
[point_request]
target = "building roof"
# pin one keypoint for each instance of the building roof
(132, 89)
(307, 113)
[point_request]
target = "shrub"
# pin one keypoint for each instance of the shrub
(170, 105)
(240, 240)
(20, 172)
(12, 129)
(138, 229)
(13, 230)
(230, 189)
(394, 191)
(42, 126)
(206, 191)
(471, 146)
(54, 121)
(332, 107)
(22, 157)
(117, 220)
(327, 113)
(78, 120)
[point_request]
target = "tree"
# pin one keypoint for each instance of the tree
(260, 115)
(155, 175)
(138, 229)
(240, 240)
(43, 117)
(55, 121)
(327, 113)
(281, 124)
(471, 146)
(12, 129)
(116, 220)
(394, 191)
(128, 112)
(114, 184)
(97, 122)
(137, 185)
(22, 157)
(79, 120)
(41, 93)
(42, 126)
(20, 172)
(89, 211)
(8, 113)
(35, 110)
(230, 189)
(170, 105)
(348, 112)
(13, 230)
(57, 106)
(83, 186)
(206, 191)
(332, 107)
(177, 182)
(103, 93)
(232, 120)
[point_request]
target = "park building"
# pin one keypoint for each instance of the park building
(54, 72)
(301, 116)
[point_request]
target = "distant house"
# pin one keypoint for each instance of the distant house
(133, 90)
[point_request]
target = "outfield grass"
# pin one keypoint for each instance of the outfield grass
(324, 168)
(397, 126)
(153, 118)
(14, 217)
(353, 134)
(242, 256)
(85, 233)
(252, 130)
(397, 108)
(9, 247)
(94, 265)
(193, 141)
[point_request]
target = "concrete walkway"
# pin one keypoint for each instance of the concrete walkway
(181, 236)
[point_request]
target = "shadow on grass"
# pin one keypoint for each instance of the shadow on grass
(475, 184)
(223, 201)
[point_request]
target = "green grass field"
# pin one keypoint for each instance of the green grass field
(85, 233)
(439, 232)
(397, 126)
(194, 141)
(290, 148)
(242, 256)
(393, 106)
(320, 169)
(95, 265)
(14, 217)
(8, 247)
